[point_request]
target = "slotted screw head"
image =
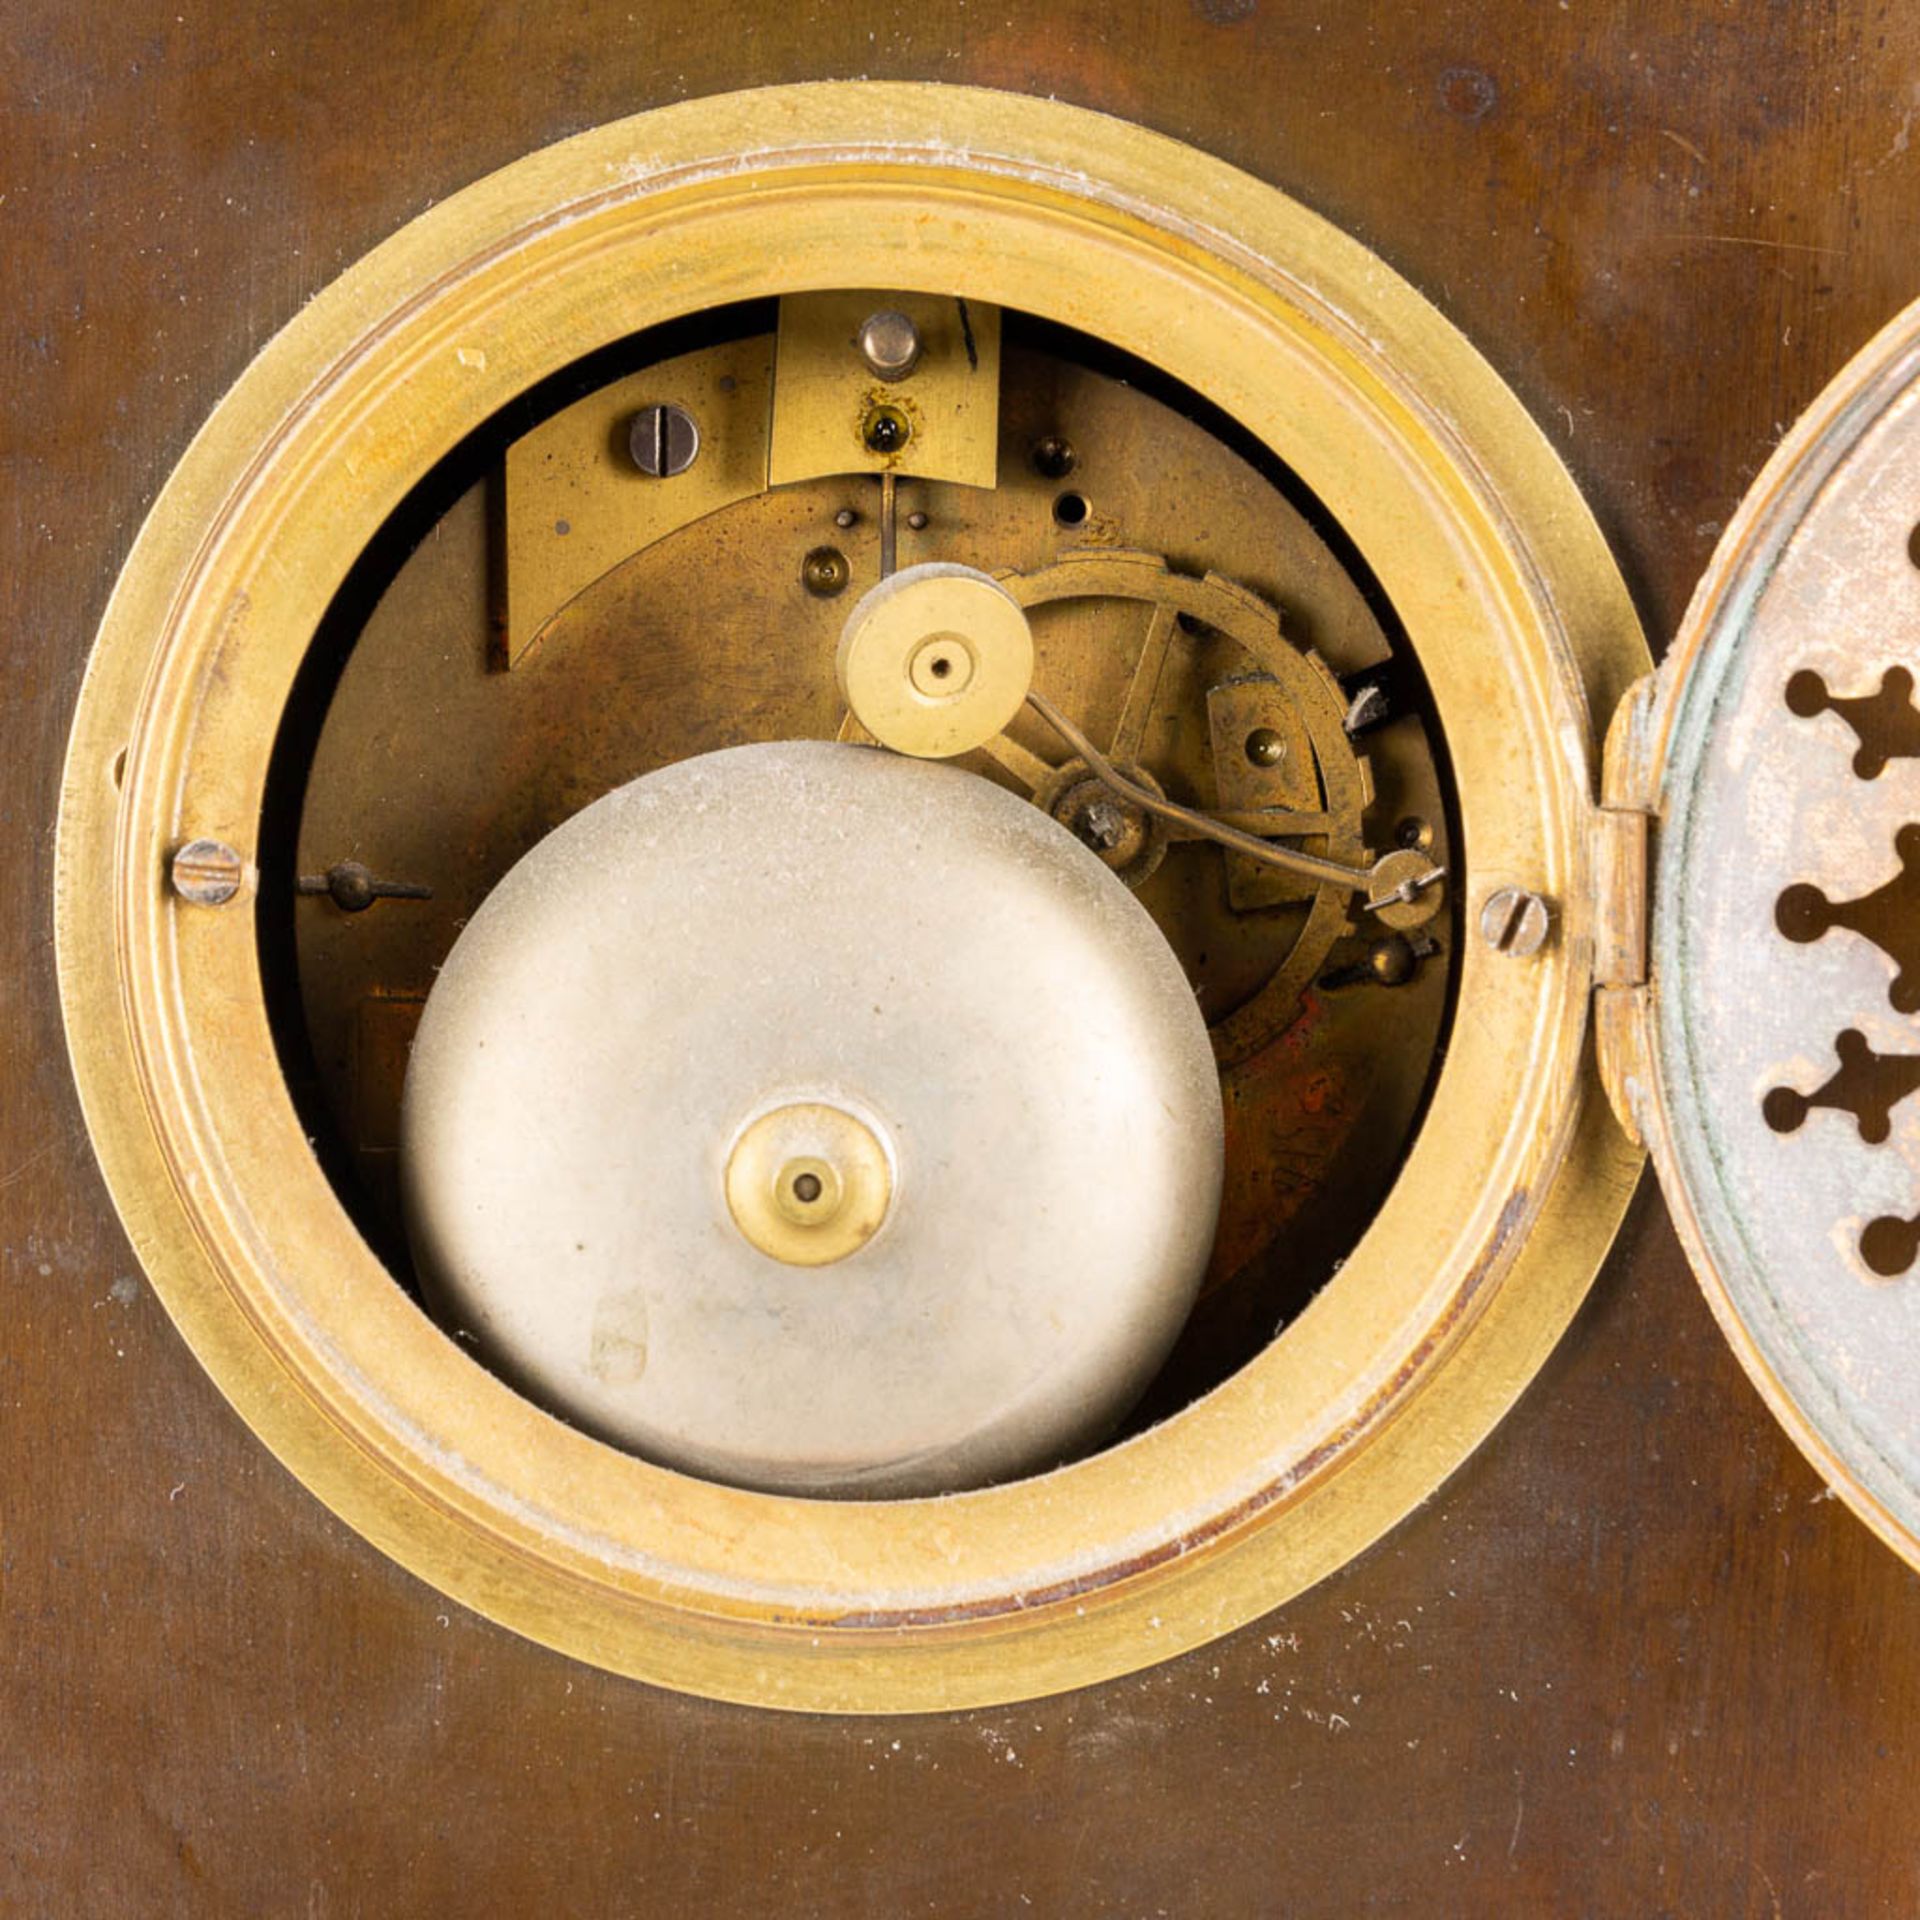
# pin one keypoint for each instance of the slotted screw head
(664, 440)
(1514, 921)
(208, 873)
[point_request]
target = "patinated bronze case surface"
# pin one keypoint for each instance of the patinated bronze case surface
(1631, 1655)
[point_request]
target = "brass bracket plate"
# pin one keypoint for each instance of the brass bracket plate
(1237, 711)
(825, 398)
(577, 505)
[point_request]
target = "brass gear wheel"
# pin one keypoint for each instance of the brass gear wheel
(1308, 714)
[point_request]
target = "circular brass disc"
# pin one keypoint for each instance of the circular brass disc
(935, 660)
(808, 1183)
(1443, 1310)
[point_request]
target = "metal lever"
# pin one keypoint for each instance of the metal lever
(1393, 880)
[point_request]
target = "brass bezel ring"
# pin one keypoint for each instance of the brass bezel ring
(1451, 1300)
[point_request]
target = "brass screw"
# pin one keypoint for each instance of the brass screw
(1514, 921)
(1390, 960)
(824, 572)
(1054, 457)
(1265, 748)
(208, 873)
(886, 430)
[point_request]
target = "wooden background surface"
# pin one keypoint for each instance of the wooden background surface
(1631, 1660)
